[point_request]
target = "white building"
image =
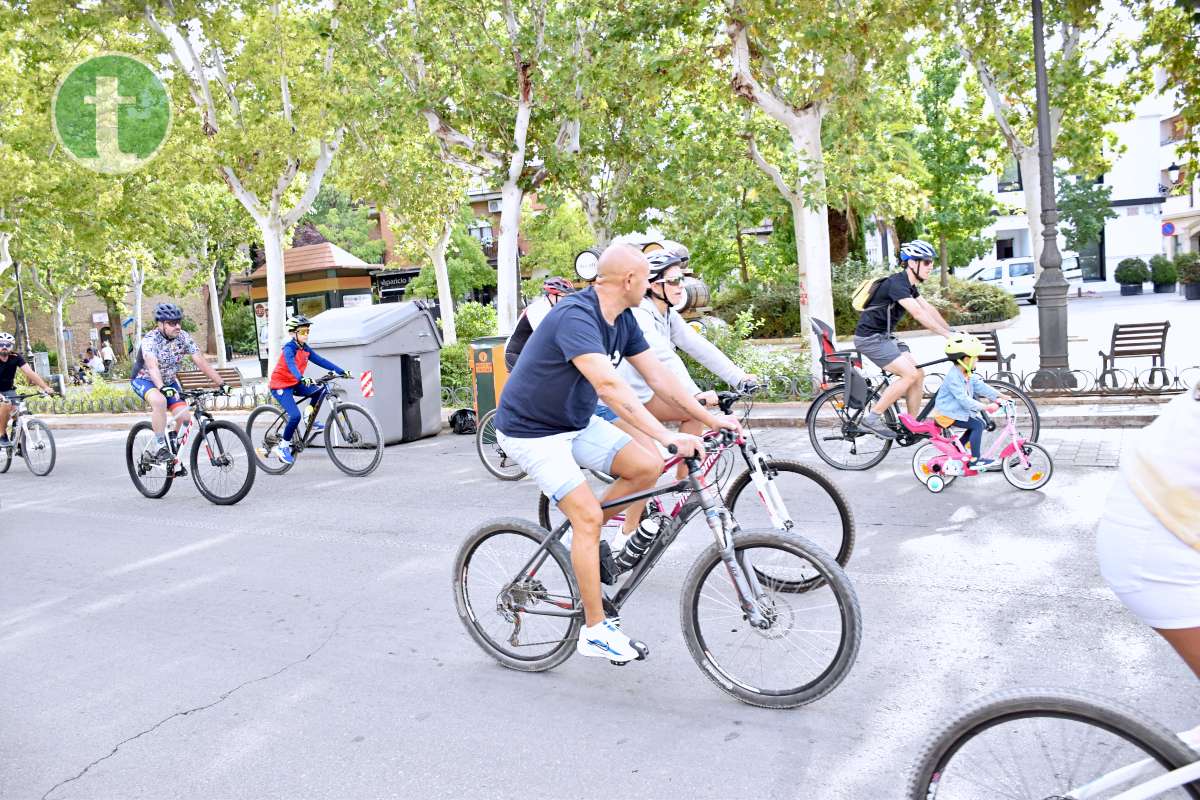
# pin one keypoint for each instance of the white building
(1139, 178)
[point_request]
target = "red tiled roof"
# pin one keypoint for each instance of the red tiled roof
(316, 258)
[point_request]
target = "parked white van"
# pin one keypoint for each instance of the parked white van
(1017, 275)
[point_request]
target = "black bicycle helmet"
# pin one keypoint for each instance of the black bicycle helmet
(167, 312)
(297, 321)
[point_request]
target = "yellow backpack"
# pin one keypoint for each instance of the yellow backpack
(865, 291)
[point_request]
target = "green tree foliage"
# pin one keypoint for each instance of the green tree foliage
(346, 224)
(555, 237)
(466, 264)
(1170, 41)
(240, 331)
(954, 149)
(1083, 208)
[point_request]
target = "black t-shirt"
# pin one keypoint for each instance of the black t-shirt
(8, 371)
(516, 342)
(884, 312)
(546, 393)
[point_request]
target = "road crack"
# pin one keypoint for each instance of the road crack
(220, 699)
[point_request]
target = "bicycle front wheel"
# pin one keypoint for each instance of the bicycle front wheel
(810, 640)
(805, 501)
(498, 599)
(840, 443)
(1034, 473)
(6, 457)
(222, 462)
(151, 477)
(37, 445)
(497, 462)
(265, 427)
(353, 440)
(1046, 743)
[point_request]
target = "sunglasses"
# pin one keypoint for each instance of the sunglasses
(5, 347)
(174, 323)
(676, 281)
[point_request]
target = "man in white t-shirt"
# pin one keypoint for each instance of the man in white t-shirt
(107, 355)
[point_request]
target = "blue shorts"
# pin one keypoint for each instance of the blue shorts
(143, 385)
(554, 461)
(605, 413)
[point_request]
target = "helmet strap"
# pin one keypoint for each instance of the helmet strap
(915, 273)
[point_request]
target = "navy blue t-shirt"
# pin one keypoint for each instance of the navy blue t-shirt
(546, 394)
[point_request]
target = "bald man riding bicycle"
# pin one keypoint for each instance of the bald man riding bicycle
(546, 422)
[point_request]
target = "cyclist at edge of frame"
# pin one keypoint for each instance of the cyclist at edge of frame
(665, 330)
(874, 336)
(10, 363)
(288, 382)
(155, 367)
(546, 420)
(554, 289)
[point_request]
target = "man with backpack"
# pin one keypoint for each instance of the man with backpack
(883, 302)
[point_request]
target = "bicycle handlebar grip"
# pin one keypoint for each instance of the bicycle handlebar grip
(672, 449)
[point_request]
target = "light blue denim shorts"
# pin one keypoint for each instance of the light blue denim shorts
(554, 461)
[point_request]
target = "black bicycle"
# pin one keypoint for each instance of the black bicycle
(28, 438)
(516, 593)
(351, 437)
(834, 416)
(221, 462)
(778, 493)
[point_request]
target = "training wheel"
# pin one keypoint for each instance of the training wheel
(935, 483)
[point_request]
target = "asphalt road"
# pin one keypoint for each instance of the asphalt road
(304, 644)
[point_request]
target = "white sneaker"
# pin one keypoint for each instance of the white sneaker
(606, 640)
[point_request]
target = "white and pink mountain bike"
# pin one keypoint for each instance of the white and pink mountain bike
(1026, 465)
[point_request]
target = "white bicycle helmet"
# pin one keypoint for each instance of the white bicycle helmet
(6, 338)
(917, 250)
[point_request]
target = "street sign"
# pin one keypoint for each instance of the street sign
(1168, 228)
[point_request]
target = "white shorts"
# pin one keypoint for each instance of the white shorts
(1149, 568)
(554, 461)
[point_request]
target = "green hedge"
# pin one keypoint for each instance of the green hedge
(1132, 272)
(1162, 270)
(1188, 265)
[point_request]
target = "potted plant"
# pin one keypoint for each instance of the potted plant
(1188, 266)
(1131, 274)
(1163, 274)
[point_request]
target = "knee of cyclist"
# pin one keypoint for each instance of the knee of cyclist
(918, 376)
(586, 522)
(157, 402)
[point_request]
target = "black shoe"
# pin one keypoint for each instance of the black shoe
(5, 442)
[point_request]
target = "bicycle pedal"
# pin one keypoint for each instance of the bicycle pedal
(642, 649)
(618, 663)
(180, 472)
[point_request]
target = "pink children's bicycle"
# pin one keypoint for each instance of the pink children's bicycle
(1026, 465)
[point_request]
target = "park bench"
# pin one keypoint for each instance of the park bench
(1136, 340)
(195, 379)
(996, 355)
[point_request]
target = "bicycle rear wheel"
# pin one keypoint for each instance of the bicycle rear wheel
(222, 463)
(811, 640)
(1044, 743)
(1029, 422)
(353, 440)
(498, 601)
(922, 465)
(492, 454)
(151, 477)
(840, 443)
(815, 509)
(265, 427)
(37, 446)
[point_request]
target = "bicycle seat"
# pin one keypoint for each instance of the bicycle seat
(925, 426)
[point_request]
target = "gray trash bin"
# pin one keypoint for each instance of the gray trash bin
(400, 344)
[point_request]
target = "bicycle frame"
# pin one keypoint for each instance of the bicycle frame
(1171, 780)
(720, 522)
(952, 448)
(877, 388)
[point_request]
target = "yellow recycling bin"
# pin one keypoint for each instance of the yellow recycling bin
(488, 372)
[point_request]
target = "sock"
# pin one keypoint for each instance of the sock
(618, 542)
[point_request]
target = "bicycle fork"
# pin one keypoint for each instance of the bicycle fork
(768, 492)
(722, 525)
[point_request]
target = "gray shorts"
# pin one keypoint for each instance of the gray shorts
(881, 348)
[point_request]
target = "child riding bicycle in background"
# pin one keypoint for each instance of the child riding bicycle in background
(288, 382)
(956, 404)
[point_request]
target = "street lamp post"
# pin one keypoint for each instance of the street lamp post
(1051, 287)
